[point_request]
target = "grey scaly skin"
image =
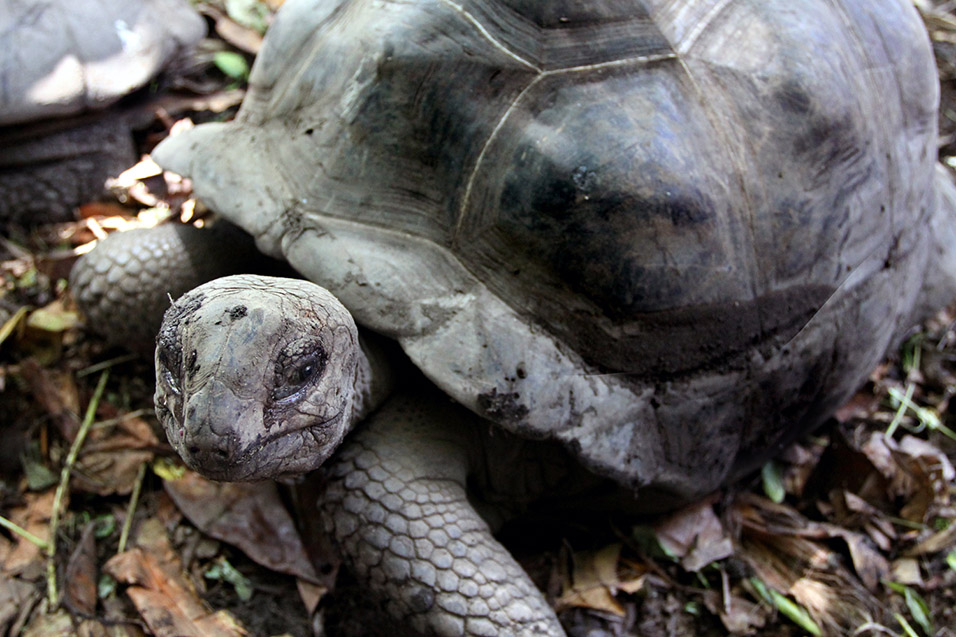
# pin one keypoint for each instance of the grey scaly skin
(128, 281)
(261, 377)
(396, 504)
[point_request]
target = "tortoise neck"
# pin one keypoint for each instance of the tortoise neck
(373, 378)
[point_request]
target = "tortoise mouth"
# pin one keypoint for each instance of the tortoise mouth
(285, 454)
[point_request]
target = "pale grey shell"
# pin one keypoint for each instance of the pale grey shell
(59, 57)
(672, 234)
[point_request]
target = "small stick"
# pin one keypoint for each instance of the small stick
(64, 483)
(133, 501)
(92, 369)
(22, 532)
(136, 413)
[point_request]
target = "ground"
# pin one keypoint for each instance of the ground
(851, 531)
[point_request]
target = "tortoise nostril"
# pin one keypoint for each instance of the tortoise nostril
(208, 452)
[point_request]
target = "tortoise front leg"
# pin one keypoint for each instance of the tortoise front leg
(395, 504)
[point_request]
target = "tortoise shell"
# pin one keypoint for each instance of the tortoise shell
(671, 234)
(61, 57)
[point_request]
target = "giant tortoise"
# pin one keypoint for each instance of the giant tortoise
(62, 63)
(652, 239)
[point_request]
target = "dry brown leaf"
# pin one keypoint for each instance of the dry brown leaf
(882, 540)
(34, 516)
(878, 470)
(845, 466)
(80, 582)
(591, 582)
(919, 448)
(906, 571)
(696, 535)
(595, 577)
(869, 564)
(778, 544)
(738, 615)
(250, 516)
(939, 541)
(56, 392)
(161, 591)
(921, 487)
(835, 601)
(143, 183)
(129, 431)
(16, 599)
(852, 512)
(311, 594)
(859, 407)
(931, 471)
(779, 524)
(879, 450)
(867, 514)
(110, 461)
(109, 473)
(151, 536)
(798, 567)
(164, 598)
(800, 463)
(103, 209)
(58, 624)
(243, 38)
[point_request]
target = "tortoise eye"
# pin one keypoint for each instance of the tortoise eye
(170, 367)
(291, 378)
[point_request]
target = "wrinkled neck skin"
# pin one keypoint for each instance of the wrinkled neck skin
(373, 380)
(438, 440)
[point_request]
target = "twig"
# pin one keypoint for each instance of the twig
(22, 532)
(927, 417)
(133, 501)
(92, 369)
(900, 410)
(64, 483)
(873, 627)
(136, 413)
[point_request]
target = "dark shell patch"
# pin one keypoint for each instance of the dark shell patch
(502, 408)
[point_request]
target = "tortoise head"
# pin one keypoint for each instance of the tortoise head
(255, 377)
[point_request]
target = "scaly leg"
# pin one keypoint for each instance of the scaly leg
(395, 504)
